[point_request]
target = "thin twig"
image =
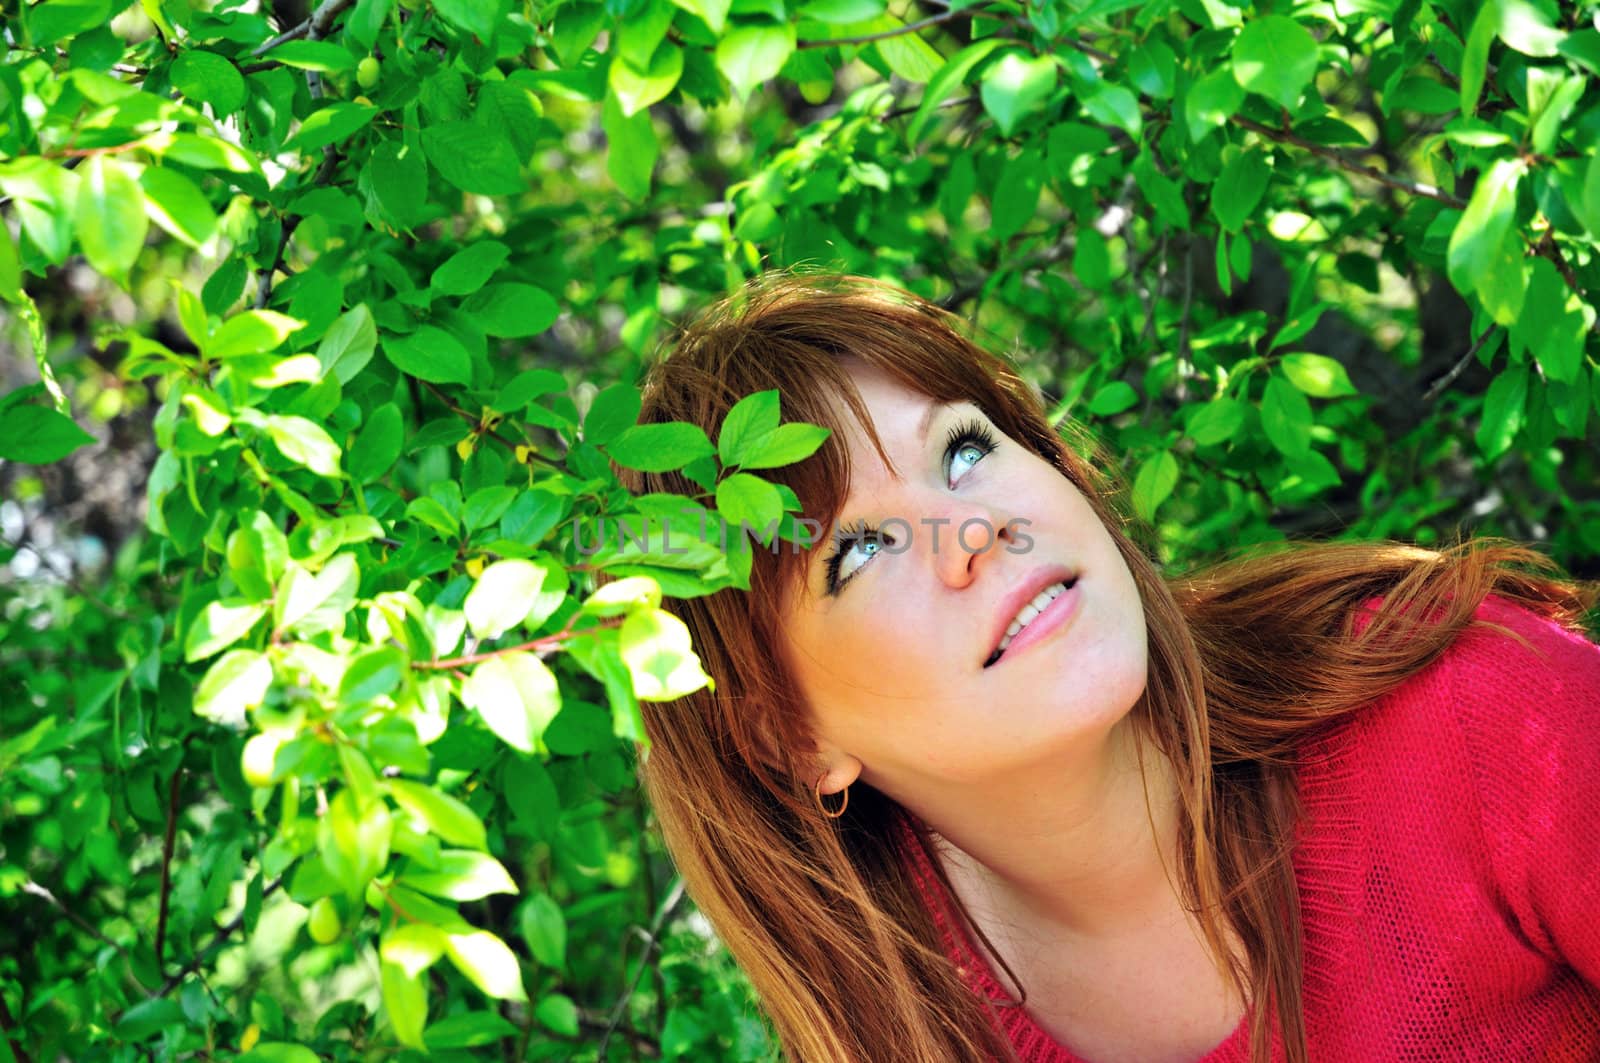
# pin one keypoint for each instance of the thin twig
(1345, 162)
(166, 859)
(538, 645)
(66, 578)
(315, 27)
(1438, 386)
(32, 887)
(913, 108)
(883, 35)
(223, 934)
(7, 1024)
(664, 913)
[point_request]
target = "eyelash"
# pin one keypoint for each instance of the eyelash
(967, 433)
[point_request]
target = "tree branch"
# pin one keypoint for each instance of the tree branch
(1345, 162)
(223, 934)
(1438, 386)
(8, 1024)
(166, 858)
(31, 887)
(315, 27)
(664, 913)
(538, 645)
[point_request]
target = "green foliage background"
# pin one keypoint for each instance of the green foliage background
(321, 333)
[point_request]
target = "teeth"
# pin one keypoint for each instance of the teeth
(1026, 615)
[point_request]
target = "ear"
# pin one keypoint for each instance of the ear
(831, 769)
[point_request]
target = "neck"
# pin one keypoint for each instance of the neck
(1080, 853)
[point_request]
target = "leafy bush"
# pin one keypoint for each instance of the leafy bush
(317, 733)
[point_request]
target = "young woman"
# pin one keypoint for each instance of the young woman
(977, 782)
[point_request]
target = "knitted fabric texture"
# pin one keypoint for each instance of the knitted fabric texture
(1448, 862)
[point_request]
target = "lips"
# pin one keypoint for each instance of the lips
(1017, 599)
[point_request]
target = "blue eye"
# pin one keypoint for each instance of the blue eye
(859, 539)
(969, 442)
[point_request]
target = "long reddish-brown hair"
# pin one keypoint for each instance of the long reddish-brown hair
(1246, 659)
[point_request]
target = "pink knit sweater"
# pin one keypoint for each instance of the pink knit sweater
(1448, 864)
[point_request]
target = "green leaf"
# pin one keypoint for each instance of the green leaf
(177, 205)
(1154, 484)
(1275, 57)
(347, 346)
(488, 963)
(842, 12)
(1114, 105)
(378, 445)
(109, 216)
(372, 675)
(1016, 196)
(278, 1052)
(660, 447)
(746, 499)
(613, 412)
(209, 78)
(947, 80)
(56, 20)
(624, 596)
(784, 445)
(331, 124)
(750, 54)
(471, 1029)
(516, 695)
(559, 1014)
(478, 17)
(219, 626)
(35, 435)
(1015, 87)
(544, 928)
(323, 56)
(308, 603)
(445, 816)
(632, 148)
(1504, 410)
(1217, 421)
(1475, 57)
(236, 683)
(1286, 417)
(353, 840)
(1524, 27)
(503, 596)
(527, 386)
(512, 310)
(1317, 375)
(251, 332)
(412, 947)
(431, 354)
(751, 418)
(474, 158)
(405, 1001)
(907, 55)
(305, 443)
(10, 268)
(638, 89)
(655, 645)
(460, 875)
(1484, 226)
(1113, 399)
(469, 268)
(1238, 191)
(1211, 101)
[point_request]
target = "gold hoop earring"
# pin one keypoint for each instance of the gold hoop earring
(817, 792)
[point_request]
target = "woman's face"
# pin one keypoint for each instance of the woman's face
(894, 647)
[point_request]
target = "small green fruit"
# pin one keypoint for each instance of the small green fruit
(816, 93)
(324, 924)
(257, 760)
(367, 72)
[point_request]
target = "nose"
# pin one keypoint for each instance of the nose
(963, 542)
